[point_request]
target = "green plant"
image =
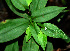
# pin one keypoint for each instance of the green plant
(36, 30)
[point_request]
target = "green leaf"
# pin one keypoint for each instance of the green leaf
(67, 40)
(28, 2)
(12, 29)
(53, 32)
(28, 36)
(12, 47)
(33, 5)
(18, 5)
(46, 10)
(46, 14)
(34, 33)
(40, 24)
(25, 2)
(46, 17)
(51, 26)
(30, 46)
(49, 46)
(42, 38)
(15, 11)
(37, 4)
(36, 28)
(41, 4)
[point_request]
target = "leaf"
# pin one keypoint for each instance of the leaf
(42, 38)
(18, 5)
(51, 26)
(36, 28)
(15, 11)
(40, 24)
(12, 47)
(47, 10)
(46, 17)
(28, 2)
(30, 46)
(49, 46)
(37, 4)
(67, 40)
(33, 5)
(28, 36)
(41, 4)
(12, 29)
(34, 33)
(25, 2)
(53, 32)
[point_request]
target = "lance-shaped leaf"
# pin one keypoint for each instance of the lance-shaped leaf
(49, 46)
(42, 38)
(37, 28)
(47, 10)
(30, 46)
(28, 36)
(46, 17)
(53, 32)
(34, 33)
(14, 10)
(12, 29)
(18, 5)
(12, 47)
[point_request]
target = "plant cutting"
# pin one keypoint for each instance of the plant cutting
(34, 25)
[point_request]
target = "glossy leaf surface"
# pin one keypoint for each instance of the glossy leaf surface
(12, 29)
(30, 46)
(53, 32)
(12, 47)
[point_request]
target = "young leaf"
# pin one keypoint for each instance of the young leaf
(28, 36)
(30, 46)
(47, 17)
(28, 2)
(18, 5)
(25, 2)
(46, 10)
(49, 46)
(53, 32)
(12, 47)
(12, 29)
(42, 38)
(15, 11)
